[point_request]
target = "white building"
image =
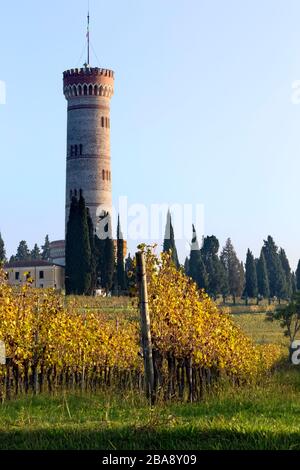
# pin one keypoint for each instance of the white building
(43, 273)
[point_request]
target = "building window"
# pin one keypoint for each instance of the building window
(102, 121)
(41, 274)
(103, 174)
(79, 90)
(80, 149)
(90, 89)
(85, 90)
(72, 151)
(41, 286)
(76, 149)
(17, 275)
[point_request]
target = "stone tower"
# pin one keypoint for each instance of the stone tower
(88, 91)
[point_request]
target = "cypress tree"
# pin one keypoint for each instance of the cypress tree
(72, 268)
(186, 266)
(262, 277)
(2, 250)
(234, 270)
(196, 266)
(224, 283)
(83, 249)
(250, 277)
(105, 252)
(46, 249)
(287, 290)
(35, 253)
(93, 252)
(276, 274)
(214, 269)
(298, 276)
(129, 269)
(169, 241)
(121, 280)
(294, 284)
(78, 250)
(23, 252)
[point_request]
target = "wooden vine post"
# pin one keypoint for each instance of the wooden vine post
(145, 325)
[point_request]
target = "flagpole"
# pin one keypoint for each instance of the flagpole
(88, 38)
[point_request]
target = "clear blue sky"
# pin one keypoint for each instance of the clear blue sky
(202, 111)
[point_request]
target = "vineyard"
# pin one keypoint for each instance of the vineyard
(54, 343)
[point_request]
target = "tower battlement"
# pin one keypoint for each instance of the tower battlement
(89, 71)
(88, 81)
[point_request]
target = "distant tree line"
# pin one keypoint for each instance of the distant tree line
(94, 262)
(223, 274)
(24, 253)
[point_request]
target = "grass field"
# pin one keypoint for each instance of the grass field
(265, 416)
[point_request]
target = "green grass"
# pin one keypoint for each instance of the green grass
(263, 417)
(260, 330)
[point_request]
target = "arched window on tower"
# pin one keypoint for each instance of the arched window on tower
(85, 90)
(95, 90)
(79, 90)
(90, 89)
(103, 174)
(102, 121)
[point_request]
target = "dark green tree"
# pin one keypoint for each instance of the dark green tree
(78, 249)
(72, 263)
(197, 269)
(2, 250)
(23, 252)
(213, 266)
(93, 269)
(129, 272)
(224, 284)
(35, 253)
(262, 277)
(234, 270)
(169, 241)
(105, 252)
(276, 274)
(84, 249)
(288, 288)
(121, 277)
(294, 284)
(298, 276)
(186, 266)
(250, 277)
(46, 249)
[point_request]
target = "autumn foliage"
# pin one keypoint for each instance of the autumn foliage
(54, 343)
